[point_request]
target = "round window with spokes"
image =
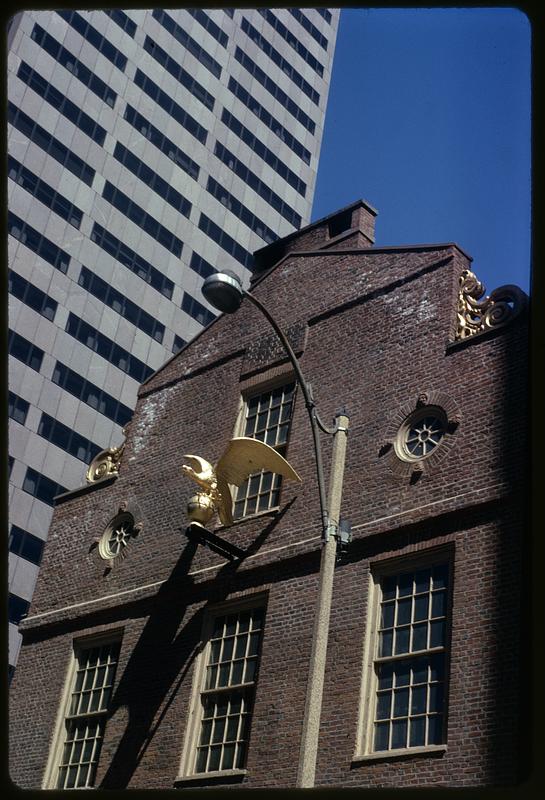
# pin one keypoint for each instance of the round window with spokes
(116, 537)
(421, 433)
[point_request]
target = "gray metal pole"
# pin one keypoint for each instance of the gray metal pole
(313, 706)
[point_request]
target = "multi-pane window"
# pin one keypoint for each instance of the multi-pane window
(42, 487)
(225, 241)
(268, 418)
(86, 717)
(44, 193)
(241, 211)
(25, 544)
(25, 351)
(152, 180)
(131, 260)
(32, 296)
(292, 40)
(91, 394)
(49, 144)
(17, 608)
(17, 408)
(170, 106)
(200, 53)
(197, 310)
(261, 113)
(95, 38)
(67, 439)
(259, 186)
(165, 145)
(121, 19)
(226, 698)
(34, 240)
(178, 72)
(410, 663)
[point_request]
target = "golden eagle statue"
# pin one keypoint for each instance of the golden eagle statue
(242, 457)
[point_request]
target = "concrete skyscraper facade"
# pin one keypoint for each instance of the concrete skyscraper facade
(147, 148)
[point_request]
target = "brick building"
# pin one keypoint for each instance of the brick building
(151, 661)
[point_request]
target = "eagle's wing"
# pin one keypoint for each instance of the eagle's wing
(245, 456)
(225, 502)
(198, 468)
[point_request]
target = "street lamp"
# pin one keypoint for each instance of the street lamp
(224, 291)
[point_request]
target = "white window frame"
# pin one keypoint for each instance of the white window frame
(240, 430)
(369, 684)
(187, 770)
(51, 773)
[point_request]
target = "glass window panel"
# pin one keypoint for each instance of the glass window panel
(404, 608)
(237, 672)
(418, 732)
(439, 604)
(215, 648)
(219, 727)
(227, 649)
(215, 756)
(201, 760)
(435, 729)
(249, 672)
(402, 640)
(385, 676)
(440, 576)
(386, 641)
(263, 502)
(401, 702)
(421, 604)
(384, 701)
(251, 506)
(244, 621)
(402, 673)
(405, 584)
(382, 735)
(420, 635)
(418, 699)
(436, 697)
(437, 633)
(232, 728)
(254, 643)
(437, 667)
(420, 670)
(228, 756)
(223, 675)
(387, 615)
(399, 733)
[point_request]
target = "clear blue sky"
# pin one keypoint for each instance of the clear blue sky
(429, 121)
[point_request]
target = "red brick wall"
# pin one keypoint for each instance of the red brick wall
(379, 327)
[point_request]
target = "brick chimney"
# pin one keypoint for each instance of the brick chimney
(352, 227)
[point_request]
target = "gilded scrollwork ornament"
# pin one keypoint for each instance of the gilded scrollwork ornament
(476, 315)
(105, 464)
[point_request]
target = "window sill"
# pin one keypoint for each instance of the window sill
(401, 753)
(219, 775)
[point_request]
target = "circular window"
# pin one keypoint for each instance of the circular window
(421, 433)
(116, 536)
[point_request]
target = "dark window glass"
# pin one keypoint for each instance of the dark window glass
(309, 27)
(61, 103)
(35, 241)
(49, 144)
(142, 219)
(245, 97)
(259, 186)
(31, 295)
(67, 439)
(292, 40)
(209, 25)
(112, 352)
(243, 213)
(25, 545)
(74, 65)
(17, 408)
(121, 19)
(273, 88)
(95, 38)
(42, 487)
(17, 608)
(46, 194)
(25, 351)
(188, 42)
(152, 180)
(226, 242)
(197, 310)
(178, 344)
(131, 260)
(167, 104)
(160, 141)
(92, 395)
(178, 72)
(261, 150)
(199, 265)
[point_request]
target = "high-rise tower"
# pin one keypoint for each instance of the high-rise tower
(147, 148)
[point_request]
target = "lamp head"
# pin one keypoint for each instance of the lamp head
(224, 291)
